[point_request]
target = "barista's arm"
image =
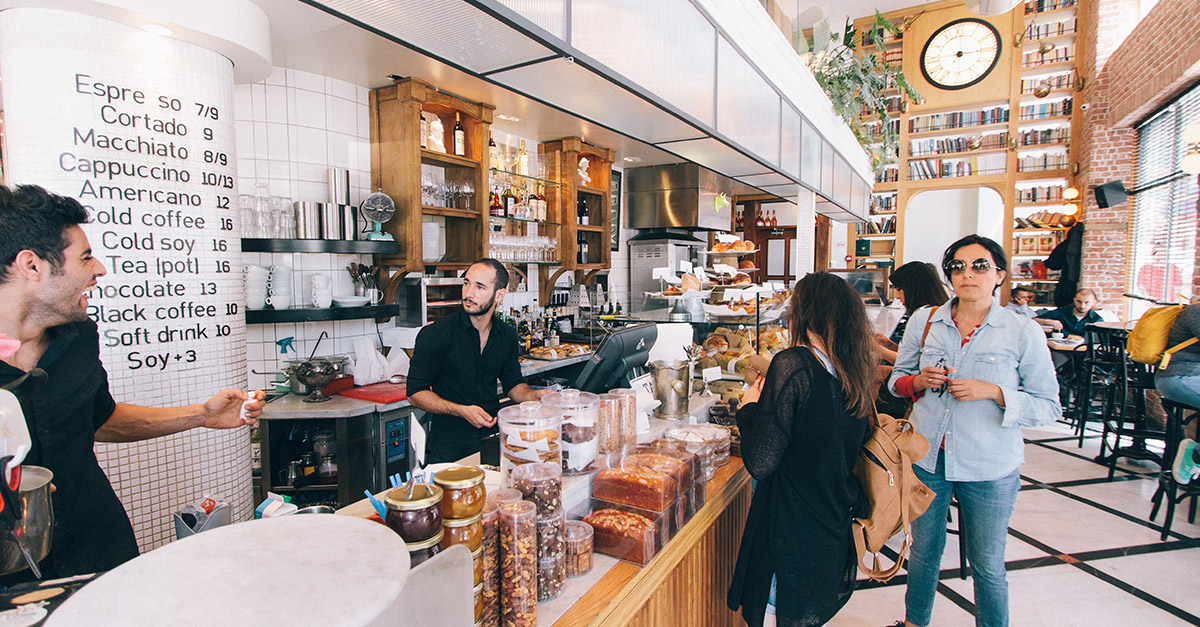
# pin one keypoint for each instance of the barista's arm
(130, 423)
(429, 401)
(521, 392)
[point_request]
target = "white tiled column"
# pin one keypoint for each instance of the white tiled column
(139, 128)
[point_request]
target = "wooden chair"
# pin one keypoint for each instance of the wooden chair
(1168, 488)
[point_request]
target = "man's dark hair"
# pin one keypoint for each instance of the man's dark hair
(1018, 290)
(32, 218)
(501, 271)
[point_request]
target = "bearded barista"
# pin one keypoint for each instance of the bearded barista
(457, 363)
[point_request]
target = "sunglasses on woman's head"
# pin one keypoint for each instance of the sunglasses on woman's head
(955, 266)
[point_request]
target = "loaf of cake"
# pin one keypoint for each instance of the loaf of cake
(642, 487)
(623, 535)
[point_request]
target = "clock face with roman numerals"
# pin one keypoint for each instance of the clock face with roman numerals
(960, 54)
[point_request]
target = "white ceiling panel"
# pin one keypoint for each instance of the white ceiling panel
(550, 15)
(450, 29)
(788, 191)
(747, 107)
(589, 96)
(665, 46)
(713, 155)
(789, 141)
(810, 155)
(770, 178)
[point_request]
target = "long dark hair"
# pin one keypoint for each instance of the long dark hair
(828, 307)
(921, 285)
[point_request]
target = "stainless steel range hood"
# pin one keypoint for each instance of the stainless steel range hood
(683, 195)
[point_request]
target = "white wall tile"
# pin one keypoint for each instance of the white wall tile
(310, 109)
(277, 142)
(277, 103)
(309, 81)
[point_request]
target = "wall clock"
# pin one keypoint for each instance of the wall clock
(960, 54)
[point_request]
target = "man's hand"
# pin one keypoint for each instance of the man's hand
(1054, 324)
(542, 393)
(224, 410)
(475, 415)
(972, 390)
(886, 342)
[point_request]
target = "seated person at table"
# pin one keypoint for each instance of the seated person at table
(917, 285)
(1019, 303)
(1180, 382)
(1071, 320)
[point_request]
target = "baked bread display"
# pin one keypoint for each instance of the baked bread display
(623, 535)
(745, 264)
(743, 246)
(721, 247)
(716, 342)
(641, 487)
(690, 282)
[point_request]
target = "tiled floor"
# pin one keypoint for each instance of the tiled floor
(1081, 550)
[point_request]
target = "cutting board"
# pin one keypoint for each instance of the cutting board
(379, 392)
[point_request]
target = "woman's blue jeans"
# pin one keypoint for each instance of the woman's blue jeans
(1184, 389)
(984, 509)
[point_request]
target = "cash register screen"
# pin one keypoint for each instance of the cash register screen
(620, 357)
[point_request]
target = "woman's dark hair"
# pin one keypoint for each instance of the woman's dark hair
(828, 307)
(921, 285)
(999, 259)
(36, 220)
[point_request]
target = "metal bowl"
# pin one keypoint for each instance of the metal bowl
(316, 373)
(38, 521)
(315, 509)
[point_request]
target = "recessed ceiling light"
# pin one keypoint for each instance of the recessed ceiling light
(633, 159)
(158, 29)
(507, 118)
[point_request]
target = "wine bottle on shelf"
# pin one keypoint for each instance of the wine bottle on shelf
(522, 160)
(424, 131)
(583, 210)
(493, 153)
(758, 219)
(541, 201)
(495, 208)
(774, 222)
(509, 201)
(460, 137)
(582, 255)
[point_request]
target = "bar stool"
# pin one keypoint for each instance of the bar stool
(1093, 378)
(1168, 487)
(1125, 408)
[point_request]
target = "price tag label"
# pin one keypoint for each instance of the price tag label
(711, 374)
(685, 266)
(726, 238)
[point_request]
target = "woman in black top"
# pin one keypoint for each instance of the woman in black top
(917, 285)
(802, 427)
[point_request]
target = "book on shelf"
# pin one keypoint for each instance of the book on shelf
(1046, 110)
(957, 119)
(927, 147)
(1046, 244)
(1053, 81)
(1027, 245)
(1041, 6)
(924, 169)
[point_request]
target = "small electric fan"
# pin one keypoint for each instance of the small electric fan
(378, 208)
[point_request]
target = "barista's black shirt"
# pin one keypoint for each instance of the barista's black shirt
(91, 530)
(447, 360)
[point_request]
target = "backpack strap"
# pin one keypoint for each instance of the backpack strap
(928, 323)
(1166, 358)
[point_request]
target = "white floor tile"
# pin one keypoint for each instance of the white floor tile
(1069, 526)
(1170, 576)
(883, 606)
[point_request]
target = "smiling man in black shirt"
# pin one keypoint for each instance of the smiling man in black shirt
(457, 362)
(46, 271)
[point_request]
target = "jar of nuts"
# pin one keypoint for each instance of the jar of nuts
(518, 564)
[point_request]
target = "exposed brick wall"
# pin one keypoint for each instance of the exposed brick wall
(1106, 154)
(1158, 60)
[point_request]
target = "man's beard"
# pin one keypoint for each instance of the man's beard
(484, 310)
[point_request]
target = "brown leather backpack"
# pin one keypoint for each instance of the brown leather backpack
(895, 495)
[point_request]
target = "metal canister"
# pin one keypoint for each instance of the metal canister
(331, 221)
(671, 388)
(308, 220)
(349, 214)
(339, 186)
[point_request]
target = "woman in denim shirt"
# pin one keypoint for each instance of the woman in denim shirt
(983, 373)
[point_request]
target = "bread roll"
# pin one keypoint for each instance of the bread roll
(745, 264)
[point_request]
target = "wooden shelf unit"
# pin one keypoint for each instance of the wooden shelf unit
(396, 160)
(562, 164)
(1004, 79)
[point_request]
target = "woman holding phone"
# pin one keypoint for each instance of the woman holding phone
(982, 373)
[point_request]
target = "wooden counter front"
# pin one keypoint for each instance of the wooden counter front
(689, 577)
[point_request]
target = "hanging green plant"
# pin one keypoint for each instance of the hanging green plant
(856, 83)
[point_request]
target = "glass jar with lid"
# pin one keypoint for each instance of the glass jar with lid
(416, 516)
(418, 552)
(579, 443)
(323, 444)
(465, 531)
(628, 414)
(327, 470)
(530, 432)
(463, 493)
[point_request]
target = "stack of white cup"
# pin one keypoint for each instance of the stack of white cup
(255, 278)
(321, 291)
(280, 286)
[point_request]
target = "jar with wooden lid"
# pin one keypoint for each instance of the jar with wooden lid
(463, 493)
(465, 531)
(415, 515)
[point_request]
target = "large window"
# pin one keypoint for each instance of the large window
(1165, 226)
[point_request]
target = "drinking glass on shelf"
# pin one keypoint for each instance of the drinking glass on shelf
(468, 194)
(246, 212)
(452, 196)
(264, 213)
(427, 188)
(285, 217)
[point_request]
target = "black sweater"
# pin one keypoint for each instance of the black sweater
(801, 445)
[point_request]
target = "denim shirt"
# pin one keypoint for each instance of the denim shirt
(982, 441)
